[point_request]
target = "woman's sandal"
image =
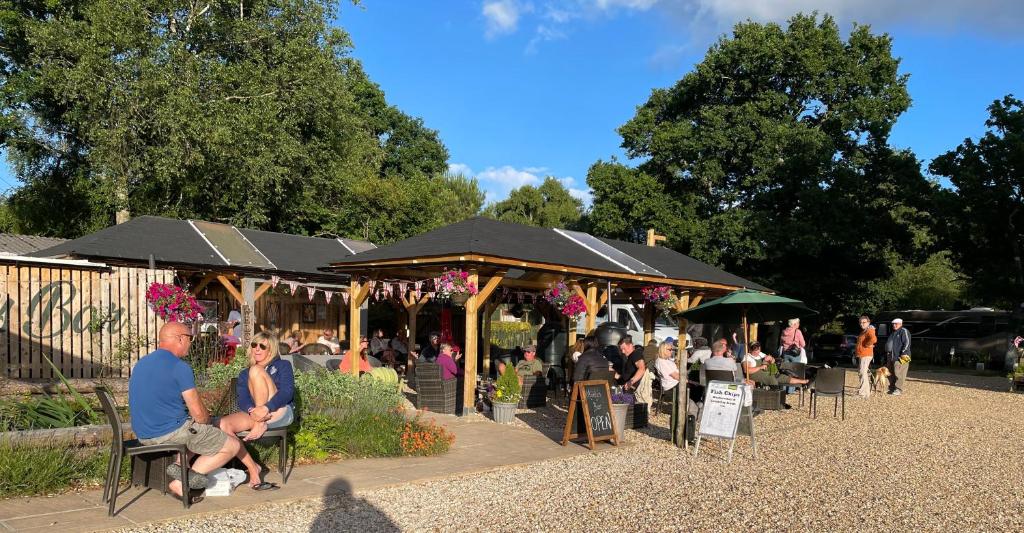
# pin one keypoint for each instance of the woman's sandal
(265, 485)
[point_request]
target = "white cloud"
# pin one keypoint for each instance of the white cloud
(542, 34)
(459, 168)
(510, 176)
(586, 195)
(502, 17)
(639, 5)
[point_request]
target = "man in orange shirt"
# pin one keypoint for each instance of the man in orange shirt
(865, 351)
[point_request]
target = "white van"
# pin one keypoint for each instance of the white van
(630, 317)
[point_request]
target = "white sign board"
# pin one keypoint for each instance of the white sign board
(722, 406)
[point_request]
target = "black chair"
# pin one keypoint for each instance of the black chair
(119, 448)
(315, 349)
(830, 382)
(280, 434)
(719, 375)
(432, 392)
(658, 393)
(602, 374)
(797, 370)
(283, 348)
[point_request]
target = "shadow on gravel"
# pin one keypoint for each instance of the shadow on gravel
(990, 383)
(549, 420)
(345, 512)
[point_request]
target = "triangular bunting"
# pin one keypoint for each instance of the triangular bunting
(312, 292)
(293, 285)
(327, 296)
(274, 280)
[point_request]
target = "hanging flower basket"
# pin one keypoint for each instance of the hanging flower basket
(561, 297)
(454, 285)
(173, 304)
(661, 297)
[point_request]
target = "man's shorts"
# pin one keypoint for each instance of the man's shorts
(202, 439)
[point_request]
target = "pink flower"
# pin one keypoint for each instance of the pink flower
(465, 275)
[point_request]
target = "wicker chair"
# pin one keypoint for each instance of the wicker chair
(830, 382)
(149, 455)
(535, 392)
(432, 392)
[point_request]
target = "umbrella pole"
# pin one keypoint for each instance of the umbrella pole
(746, 342)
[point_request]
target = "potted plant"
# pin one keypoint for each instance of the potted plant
(455, 286)
(506, 396)
(661, 297)
(172, 304)
(622, 402)
(562, 298)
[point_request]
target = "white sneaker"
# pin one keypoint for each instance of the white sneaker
(896, 392)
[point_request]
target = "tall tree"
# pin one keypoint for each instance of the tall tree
(549, 205)
(775, 152)
(252, 113)
(985, 212)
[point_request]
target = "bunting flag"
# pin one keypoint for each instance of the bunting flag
(419, 285)
(520, 296)
(274, 280)
(293, 285)
(312, 292)
(402, 287)
(327, 296)
(344, 297)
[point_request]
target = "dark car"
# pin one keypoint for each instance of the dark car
(834, 348)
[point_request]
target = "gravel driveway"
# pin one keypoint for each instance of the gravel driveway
(944, 456)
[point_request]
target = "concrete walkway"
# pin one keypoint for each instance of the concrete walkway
(480, 445)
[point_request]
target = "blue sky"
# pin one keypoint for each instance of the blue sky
(522, 89)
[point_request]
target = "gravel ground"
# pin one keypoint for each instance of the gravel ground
(940, 457)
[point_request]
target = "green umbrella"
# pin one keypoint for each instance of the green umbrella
(745, 304)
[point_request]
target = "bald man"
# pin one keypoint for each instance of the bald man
(166, 409)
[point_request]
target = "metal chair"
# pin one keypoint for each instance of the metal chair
(280, 434)
(120, 447)
(798, 370)
(830, 382)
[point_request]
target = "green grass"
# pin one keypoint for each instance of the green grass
(28, 469)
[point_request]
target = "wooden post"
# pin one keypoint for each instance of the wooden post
(650, 312)
(473, 305)
(653, 238)
(753, 334)
(683, 393)
(592, 306)
(488, 311)
(357, 295)
(412, 308)
(342, 318)
(248, 316)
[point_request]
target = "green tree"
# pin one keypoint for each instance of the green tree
(548, 205)
(251, 113)
(984, 222)
(774, 150)
(934, 284)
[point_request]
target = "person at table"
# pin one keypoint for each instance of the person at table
(430, 352)
(719, 360)
(756, 363)
(378, 343)
(400, 345)
(590, 360)
(701, 351)
(166, 409)
(294, 342)
(668, 371)
(528, 366)
(329, 340)
(266, 394)
(346, 362)
(447, 359)
(635, 376)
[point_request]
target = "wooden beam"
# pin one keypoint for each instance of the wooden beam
(485, 292)
(231, 289)
(470, 352)
(203, 283)
(412, 307)
(650, 313)
(356, 295)
(591, 302)
(653, 238)
(266, 286)
(488, 311)
(695, 300)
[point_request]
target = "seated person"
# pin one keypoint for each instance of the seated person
(345, 366)
(430, 352)
(294, 342)
(756, 364)
(590, 360)
(329, 340)
(266, 391)
(668, 372)
(701, 352)
(530, 365)
(166, 409)
(400, 346)
(378, 343)
(719, 360)
(447, 358)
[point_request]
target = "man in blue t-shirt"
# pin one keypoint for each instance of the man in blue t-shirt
(165, 409)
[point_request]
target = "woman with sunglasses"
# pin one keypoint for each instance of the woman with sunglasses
(265, 393)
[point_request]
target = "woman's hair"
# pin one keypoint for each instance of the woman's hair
(272, 346)
(579, 346)
(364, 353)
(793, 321)
(662, 352)
(590, 342)
(755, 346)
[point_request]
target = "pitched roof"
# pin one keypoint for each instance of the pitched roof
(11, 244)
(485, 236)
(174, 242)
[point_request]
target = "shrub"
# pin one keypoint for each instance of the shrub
(368, 433)
(507, 389)
(218, 375)
(47, 412)
(322, 391)
(508, 335)
(422, 438)
(28, 469)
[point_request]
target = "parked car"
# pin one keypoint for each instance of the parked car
(834, 349)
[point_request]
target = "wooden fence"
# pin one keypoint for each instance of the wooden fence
(90, 322)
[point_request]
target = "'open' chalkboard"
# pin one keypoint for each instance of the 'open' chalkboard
(591, 404)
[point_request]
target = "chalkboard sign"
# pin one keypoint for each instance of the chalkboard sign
(591, 404)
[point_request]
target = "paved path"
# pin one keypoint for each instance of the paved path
(480, 446)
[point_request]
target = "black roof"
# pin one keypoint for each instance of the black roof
(175, 242)
(542, 245)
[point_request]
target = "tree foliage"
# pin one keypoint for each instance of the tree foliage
(984, 223)
(252, 113)
(773, 154)
(549, 205)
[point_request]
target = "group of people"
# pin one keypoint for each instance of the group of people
(166, 408)
(897, 356)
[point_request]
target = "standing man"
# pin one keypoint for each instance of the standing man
(865, 351)
(166, 409)
(897, 348)
(635, 375)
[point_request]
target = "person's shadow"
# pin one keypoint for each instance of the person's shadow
(345, 512)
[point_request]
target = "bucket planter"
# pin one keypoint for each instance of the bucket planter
(460, 298)
(619, 411)
(504, 412)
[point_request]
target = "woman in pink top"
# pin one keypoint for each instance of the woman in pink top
(449, 370)
(792, 336)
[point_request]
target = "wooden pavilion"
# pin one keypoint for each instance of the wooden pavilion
(517, 257)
